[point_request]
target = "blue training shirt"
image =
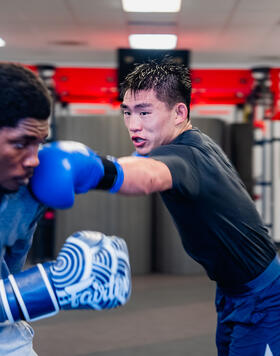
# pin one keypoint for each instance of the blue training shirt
(213, 212)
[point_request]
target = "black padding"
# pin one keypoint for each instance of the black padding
(110, 173)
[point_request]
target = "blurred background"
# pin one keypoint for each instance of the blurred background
(83, 49)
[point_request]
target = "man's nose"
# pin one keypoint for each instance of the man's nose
(31, 159)
(135, 123)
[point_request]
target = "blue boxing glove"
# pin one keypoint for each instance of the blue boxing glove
(92, 271)
(67, 168)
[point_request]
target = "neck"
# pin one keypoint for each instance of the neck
(187, 125)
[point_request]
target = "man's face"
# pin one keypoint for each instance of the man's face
(19, 152)
(149, 121)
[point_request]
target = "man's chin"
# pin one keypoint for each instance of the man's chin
(143, 152)
(8, 190)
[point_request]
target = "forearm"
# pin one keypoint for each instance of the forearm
(144, 176)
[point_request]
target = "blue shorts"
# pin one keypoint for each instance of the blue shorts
(249, 319)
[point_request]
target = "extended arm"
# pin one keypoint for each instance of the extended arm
(67, 168)
(144, 176)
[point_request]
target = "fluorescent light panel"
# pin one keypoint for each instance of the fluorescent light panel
(2, 42)
(151, 5)
(153, 41)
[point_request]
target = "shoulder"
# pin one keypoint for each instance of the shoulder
(22, 203)
(179, 150)
(22, 212)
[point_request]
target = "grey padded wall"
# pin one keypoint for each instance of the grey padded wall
(128, 217)
(242, 140)
(170, 255)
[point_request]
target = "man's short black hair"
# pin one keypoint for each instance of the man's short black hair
(170, 81)
(22, 95)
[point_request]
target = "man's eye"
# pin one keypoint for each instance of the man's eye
(19, 145)
(144, 113)
(126, 113)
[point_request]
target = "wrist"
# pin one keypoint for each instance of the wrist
(113, 175)
(29, 295)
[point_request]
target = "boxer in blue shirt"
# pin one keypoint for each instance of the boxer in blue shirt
(92, 270)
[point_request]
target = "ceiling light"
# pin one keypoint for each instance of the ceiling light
(151, 5)
(157, 41)
(2, 43)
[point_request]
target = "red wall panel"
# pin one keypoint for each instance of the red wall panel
(275, 88)
(221, 86)
(86, 84)
(99, 85)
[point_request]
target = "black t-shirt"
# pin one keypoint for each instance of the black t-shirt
(215, 216)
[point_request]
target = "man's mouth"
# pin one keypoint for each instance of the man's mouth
(138, 141)
(24, 180)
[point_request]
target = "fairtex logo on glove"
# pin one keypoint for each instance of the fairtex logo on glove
(94, 294)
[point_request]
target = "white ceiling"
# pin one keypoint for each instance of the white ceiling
(220, 33)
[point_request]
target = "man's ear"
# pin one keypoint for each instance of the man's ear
(181, 112)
